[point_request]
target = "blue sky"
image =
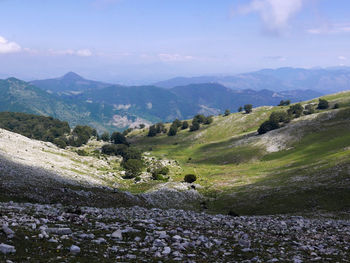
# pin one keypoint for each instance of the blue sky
(141, 41)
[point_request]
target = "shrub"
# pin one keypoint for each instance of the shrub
(284, 103)
(208, 120)
(127, 131)
(309, 109)
(172, 130)
(60, 142)
(184, 125)
(105, 137)
(336, 106)
(177, 123)
(227, 112)
(240, 109)
(268, 126)
(152, 131)
(248, 108)
(274, 121)
(190, 178)
(195, 126)
(133, 168)
(200, 118)
(322, 104)
(160, 127)
(141, 126)
(109, 149)
(118, 138)
(82, 152)
(295, 110)
(159, 177)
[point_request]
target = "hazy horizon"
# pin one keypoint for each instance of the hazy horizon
(142, 42)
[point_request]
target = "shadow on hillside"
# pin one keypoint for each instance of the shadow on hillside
(20, 182)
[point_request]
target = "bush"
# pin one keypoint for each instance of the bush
(309, 109)
(295, 110)
(184, 125)
(152, 131)
(159, 177)
(268, 126)
(200, 118)
(227, 112)
(177, 123)
(336, 106)
(172, 130)
(141, 126)
(322, 104)
(195, 126)
(248, 108)
(105, 137)
(190, 178)
(60, 142)
(208, 120)
(118, 138)
(82, 152)
(274, 121)
(284, 103)
(127, 131)
(133, 168)
(240, 109)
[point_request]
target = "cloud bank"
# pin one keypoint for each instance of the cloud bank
(8, 47)
(275, 14)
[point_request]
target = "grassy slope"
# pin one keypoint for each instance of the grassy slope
(311, 174)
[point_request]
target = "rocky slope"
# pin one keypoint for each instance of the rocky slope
(54, 233)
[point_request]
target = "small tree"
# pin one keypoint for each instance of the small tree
(118, 138)
(322, 104)
(248, 108)
(195, 126)
(152, 131)
(141, 126)
(190, 178)
(284, 103)
(105, 137)
(133, 168)
(200, 118)
(295, 110)
(208, 120)
(177, 123)
(172, 130)
(184, 125)
(240, 109)
(227, 112)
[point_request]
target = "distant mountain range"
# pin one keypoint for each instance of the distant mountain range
(327, 80)
(69, 82)
(109, 106)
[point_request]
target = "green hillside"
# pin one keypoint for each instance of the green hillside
(20, 96)
(300, 167)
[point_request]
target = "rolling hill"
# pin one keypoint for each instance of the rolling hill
(326, 81)
(300, 167)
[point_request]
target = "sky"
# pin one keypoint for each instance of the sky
(144, 41)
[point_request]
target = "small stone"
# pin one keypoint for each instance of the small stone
(74, 249)
(5, 249)
(166, 251)
(117, 234)
(59, 231)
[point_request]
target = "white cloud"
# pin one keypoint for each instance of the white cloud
(275, 14)
(174, 57)
(8, 47)
(330, 29)
(84, 52)
(72, 52)
(342, 58)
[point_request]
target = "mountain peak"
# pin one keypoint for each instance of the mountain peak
(72, 76)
